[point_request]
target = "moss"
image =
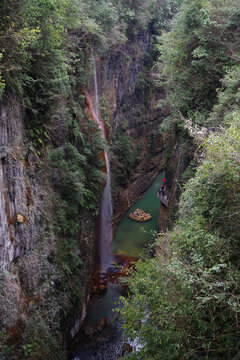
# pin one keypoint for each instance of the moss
(39, 342)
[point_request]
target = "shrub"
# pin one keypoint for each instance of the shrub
(185, 301)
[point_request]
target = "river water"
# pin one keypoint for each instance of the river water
(132, 236)
(130, 239)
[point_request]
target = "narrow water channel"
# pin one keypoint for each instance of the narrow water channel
(101, 337)
(132, 236)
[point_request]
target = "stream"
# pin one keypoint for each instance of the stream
(101, 338)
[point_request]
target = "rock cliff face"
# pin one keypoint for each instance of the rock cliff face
(19, 222)
(175, 167)
(31, 276)
(130, 85)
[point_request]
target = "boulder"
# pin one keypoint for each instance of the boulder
(95, 290)
(20, 218)
(140, 215)
(127, 348)
(89, 330)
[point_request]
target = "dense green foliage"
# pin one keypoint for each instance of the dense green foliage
(185, 301)
(78, 182)
(124, 156)
(201, 46)
(186, 304)
(39, 39)
(39, 342)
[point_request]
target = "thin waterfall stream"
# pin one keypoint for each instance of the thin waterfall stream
(106, 209)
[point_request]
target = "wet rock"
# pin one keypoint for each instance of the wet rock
(78, 322)
(95, 290)
(102, 339)
(101, 324)
(140, 215)
(112, 269)
(102, 288)
(127, 348)
(99, 289)
(89, 330)
(103, 275)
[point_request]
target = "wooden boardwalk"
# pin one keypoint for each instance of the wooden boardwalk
(163, 196)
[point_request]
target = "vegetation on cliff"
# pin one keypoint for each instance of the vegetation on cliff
(45, 66)
(200, 49)
(189, 294)
(185, 301)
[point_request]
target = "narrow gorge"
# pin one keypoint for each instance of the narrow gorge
(55, 228)
(119, 179)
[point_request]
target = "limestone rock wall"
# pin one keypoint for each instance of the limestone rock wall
(21, 207)
(31, 279)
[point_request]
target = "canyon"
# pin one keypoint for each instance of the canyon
(108, 109)
(34, 278)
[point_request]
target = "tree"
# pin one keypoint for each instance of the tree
(187, 304)
(196, 54)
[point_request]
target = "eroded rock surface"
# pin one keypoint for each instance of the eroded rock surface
(140, 215)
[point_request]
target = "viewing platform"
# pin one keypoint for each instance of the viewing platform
(163, 193)
(163, 198)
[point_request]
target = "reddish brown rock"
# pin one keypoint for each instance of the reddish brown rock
(89, 330)
(127, 348)
(101, 324)
(95, 290)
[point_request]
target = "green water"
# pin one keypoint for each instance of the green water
(102, 306)
(131, 236)
(130, 239)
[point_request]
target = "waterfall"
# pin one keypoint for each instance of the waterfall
(106, 210)
(106, 233)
